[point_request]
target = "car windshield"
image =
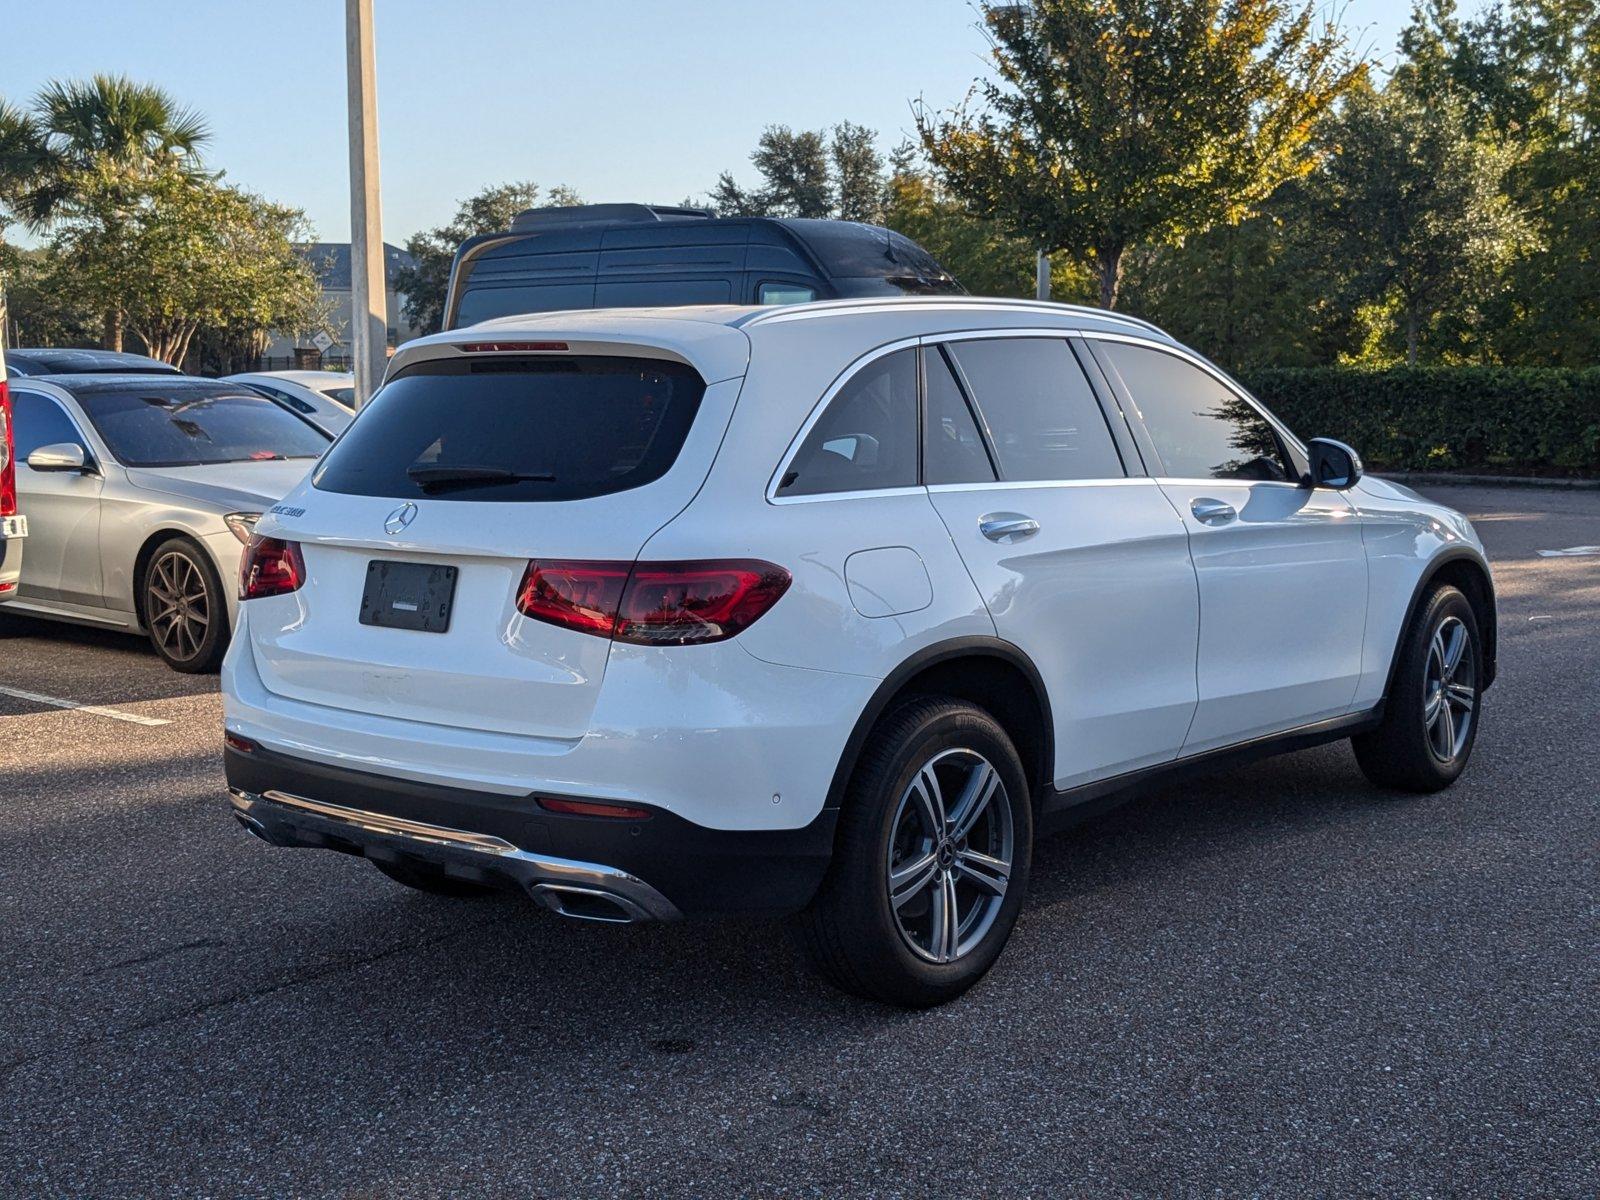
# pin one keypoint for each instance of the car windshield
(191, 424)
(343, 395)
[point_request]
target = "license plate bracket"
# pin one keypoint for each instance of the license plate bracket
(402, 595)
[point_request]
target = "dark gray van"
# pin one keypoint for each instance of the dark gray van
(643, 256)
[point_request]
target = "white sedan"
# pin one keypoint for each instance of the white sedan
(325, 398)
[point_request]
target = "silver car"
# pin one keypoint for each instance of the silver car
(141, 493)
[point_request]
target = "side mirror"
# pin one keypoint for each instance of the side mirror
(59, 456)
(1333, 464)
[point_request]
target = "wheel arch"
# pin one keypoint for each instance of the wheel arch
(147, 551)
(1469, 573)
(991, 673)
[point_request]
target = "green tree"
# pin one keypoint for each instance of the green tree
(492, 210)
(1264, 292)
(1119, 122)
(836, 174)
(983, 257)
(186, 254)
(22, 163)
(857, 178)
(1414, 202)
(796, 180)
(104, 140)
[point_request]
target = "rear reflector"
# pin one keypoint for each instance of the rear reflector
(237, 741)
(652, 604)
(270, 567)
(512, 347)
(593, 808)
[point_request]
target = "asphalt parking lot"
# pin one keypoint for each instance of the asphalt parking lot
(1272, 982)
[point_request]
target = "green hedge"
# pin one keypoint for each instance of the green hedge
(1517, 421)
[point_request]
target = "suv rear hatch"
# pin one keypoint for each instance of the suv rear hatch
(418, 526)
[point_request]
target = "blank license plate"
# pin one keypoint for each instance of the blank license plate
(400, 595)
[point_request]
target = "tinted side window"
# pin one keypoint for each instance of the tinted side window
(953, 451)
(1201, 429)
(1044, 419)
(785, 293)
(866, 439)
(39, 421)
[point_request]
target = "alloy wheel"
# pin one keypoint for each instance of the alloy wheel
(950, 855)
(1450, 694)
(177, 605)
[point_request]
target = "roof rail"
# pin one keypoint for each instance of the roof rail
(821, 308)
(574, 216)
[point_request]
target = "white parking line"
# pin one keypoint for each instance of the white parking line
(98, 710)
(1571, 552)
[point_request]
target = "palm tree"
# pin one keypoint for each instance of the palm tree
(119, 133)
(22, 163)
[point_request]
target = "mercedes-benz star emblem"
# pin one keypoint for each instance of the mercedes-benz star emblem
(397, 521)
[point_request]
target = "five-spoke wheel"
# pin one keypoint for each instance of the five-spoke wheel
(184, 609)
(931, 863)
(949, 859)
(1451, 696)
(1430, 717)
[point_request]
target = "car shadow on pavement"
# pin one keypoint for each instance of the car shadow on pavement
(85, 664)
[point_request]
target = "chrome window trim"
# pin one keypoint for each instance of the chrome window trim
(1190, 357)
(1015, 485)
(1216, 480)
(821, 406)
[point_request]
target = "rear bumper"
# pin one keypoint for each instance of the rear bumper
(600, 868)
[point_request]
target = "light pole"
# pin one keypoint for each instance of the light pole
(1000, 14)
(370, 311)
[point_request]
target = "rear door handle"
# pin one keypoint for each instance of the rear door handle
(1007, 527)
(1212, 512)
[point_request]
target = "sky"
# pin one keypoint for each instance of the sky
(624, 100)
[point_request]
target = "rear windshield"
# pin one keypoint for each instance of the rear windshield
(172, 424)
(517, 430)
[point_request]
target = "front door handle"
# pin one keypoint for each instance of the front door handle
(1007, 527)
(1212, 512)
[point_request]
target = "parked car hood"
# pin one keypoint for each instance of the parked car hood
(230, 487)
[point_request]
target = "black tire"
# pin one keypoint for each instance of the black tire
(178, 582)
(423, 878)
(1405, 753)
(851, 932)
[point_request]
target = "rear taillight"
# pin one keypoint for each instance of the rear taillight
(8, 454)
(270, 567)
(652, 604)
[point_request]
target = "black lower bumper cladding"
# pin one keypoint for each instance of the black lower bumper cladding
(657, 868)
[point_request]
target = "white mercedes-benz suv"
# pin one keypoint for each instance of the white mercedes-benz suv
(827, 610)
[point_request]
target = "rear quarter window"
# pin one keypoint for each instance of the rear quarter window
(517, 429)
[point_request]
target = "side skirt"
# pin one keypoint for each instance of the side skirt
(1062, 810)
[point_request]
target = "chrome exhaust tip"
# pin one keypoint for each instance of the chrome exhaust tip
(587, 904)
(253, 826)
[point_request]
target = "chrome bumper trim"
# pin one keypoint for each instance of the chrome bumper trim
(284, 819)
